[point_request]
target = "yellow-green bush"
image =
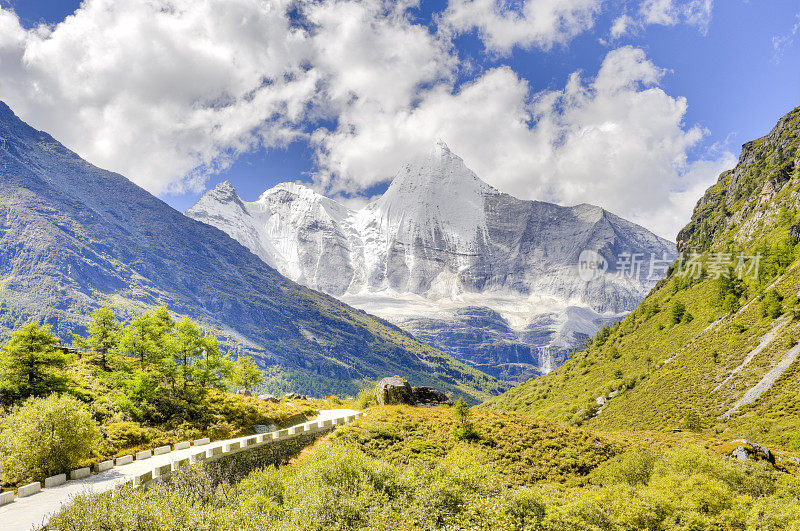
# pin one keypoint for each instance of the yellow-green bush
(338, 487)
(44, 437)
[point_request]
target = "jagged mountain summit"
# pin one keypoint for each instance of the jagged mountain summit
(73, 237)
(490, 278)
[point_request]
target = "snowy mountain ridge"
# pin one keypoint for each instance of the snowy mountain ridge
(488, 277)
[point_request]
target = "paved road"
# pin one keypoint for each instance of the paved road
(33, 512)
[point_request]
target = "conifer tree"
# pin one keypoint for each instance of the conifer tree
(31, 363)
(246, 374)
(138, 339)
(189, 349)
(214, 368)
(104, 334)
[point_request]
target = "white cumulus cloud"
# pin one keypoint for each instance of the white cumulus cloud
(664, 13)
(160, 90)
(503, 25)
(168, 91)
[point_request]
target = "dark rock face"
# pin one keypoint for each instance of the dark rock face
(794, 232)
(483, 339)
(295, 396)
(429, 397)
(394, 390)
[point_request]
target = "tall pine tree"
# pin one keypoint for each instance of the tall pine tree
(31, 364)
(104, 334)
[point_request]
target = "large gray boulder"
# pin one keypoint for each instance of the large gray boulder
(394, 390)
(750, 450)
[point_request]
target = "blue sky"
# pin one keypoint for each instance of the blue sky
(737, 65)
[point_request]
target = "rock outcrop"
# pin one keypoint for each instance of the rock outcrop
(394, 390)
(429, 397)
(794, 232)
(749, 450)
(397, 390)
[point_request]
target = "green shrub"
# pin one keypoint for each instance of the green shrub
(125, 435)
(44, 437)
(366, 398)
(31, 364)
(464, 430)
(631, 468)
(771, 304)
(693, 422)
(677, 312)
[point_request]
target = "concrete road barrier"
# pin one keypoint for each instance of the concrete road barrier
(232, 447)
(141, 479)
(6, 497)
(29, 489)
(144, 454)
(80, 473)
(202, 442)
(182, 445)
(104, 465)
(162, 450)
(55, 481)
(124, 460)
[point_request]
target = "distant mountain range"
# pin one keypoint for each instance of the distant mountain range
(491, 279)
(73, 237)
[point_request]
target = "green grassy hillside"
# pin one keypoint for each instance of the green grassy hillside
(404, 468)
(698, 344)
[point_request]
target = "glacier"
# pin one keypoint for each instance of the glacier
(489, 278)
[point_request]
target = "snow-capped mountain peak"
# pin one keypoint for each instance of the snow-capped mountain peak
(435, 200)
(490, 278)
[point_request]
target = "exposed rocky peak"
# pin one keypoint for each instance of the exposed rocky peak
(223, 193)
(764, 168)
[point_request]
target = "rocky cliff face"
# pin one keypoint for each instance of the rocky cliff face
(492, 279)
(742, 198)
